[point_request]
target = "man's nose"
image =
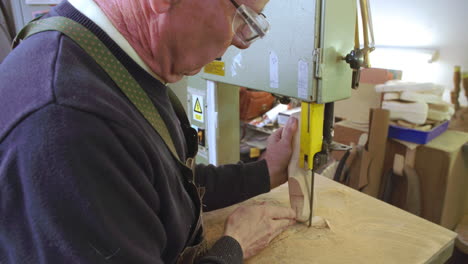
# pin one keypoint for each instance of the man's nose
(236, 41)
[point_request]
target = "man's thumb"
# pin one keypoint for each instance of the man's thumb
(289, 129)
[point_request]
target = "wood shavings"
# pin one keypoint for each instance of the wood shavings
(319, 222)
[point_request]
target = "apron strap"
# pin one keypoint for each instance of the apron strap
(191, 136)
(112, 66)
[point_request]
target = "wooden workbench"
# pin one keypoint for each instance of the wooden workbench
(361, 230)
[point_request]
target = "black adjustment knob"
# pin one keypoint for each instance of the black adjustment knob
(355, 59)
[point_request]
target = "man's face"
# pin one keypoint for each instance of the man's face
(202, 31)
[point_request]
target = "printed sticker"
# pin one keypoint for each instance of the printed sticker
(216, 68)
(302, 79)
(197, 107)
(274, 70)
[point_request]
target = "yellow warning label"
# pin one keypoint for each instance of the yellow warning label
(198, 107)
(216, 68)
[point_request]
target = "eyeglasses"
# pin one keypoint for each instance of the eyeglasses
(248, 25)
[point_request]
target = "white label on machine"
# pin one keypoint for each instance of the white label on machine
(274, 71)
(302, 79)
(198, 108)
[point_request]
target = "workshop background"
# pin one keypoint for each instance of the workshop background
(433, 27)
(422, 41)
(424, 26)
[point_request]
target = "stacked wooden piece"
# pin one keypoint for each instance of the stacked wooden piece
(415, 105)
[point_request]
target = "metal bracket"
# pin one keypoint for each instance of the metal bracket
(317, 58)
(311, 133)
(335, 146)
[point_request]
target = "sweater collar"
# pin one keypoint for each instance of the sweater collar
(94, 13)
(142, 76)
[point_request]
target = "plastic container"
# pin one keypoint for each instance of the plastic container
(416, 136)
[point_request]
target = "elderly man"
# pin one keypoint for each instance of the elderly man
(85, 177)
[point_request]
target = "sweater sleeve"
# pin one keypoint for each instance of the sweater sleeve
(71, 193)
(230, 184)
(225, 251)
(226, 185)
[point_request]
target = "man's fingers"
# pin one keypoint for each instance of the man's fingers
(284, 133)
(289, 129)
(277, 212)
(279, 227)
(282, 224)
(276, 136)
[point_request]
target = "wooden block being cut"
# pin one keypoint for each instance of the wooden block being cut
(299, 180)
(299, 196)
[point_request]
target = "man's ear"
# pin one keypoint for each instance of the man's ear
(161, 6)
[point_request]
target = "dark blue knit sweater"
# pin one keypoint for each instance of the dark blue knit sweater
(83, 176)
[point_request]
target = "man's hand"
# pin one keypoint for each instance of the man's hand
(278, 153)
(255, 226)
